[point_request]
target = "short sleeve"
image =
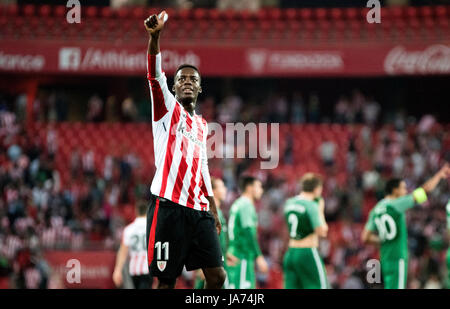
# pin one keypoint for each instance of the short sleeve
(126, 237)
(370, 224)
(403, 203)
(314, 216)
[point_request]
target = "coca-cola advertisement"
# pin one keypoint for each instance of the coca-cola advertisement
(434, 59)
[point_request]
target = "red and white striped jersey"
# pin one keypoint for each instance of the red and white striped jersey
(134, 237)
(179, 142)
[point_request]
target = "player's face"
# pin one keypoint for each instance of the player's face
(187, 86)
(401, 190)
(220, 191)
(257, 190)
(318, 191)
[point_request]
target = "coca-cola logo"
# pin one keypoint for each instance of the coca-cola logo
(433, 60)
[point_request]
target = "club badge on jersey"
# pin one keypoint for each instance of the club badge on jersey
(161, 265)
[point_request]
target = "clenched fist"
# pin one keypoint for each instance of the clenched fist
(155, 23)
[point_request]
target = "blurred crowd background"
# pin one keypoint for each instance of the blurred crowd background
(356, 150)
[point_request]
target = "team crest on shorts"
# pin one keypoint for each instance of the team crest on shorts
(161, 265)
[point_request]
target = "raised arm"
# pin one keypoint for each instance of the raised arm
(163, 100)
(154, 24)
(443, 173)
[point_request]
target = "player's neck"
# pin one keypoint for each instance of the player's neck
(188, 106)
(306, 196)
(390, 197)
(249, 196)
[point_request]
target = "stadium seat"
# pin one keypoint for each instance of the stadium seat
(199, 13)
(123, 13)
(59, 11)
(425, 12)
(45, 11)
(320, 14)
(290, 14)
(274, 14)
(139, 13)
(10, 10)
(351, 13)
(106, 12)
(441, 11)
(91, 11)
(336, 14)
(305, 14)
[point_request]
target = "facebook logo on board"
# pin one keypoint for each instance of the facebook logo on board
(69, 58)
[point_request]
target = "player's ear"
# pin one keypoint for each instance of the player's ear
(173, 88)
(200, 89)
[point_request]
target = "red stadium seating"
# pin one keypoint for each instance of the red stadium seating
(296, 25)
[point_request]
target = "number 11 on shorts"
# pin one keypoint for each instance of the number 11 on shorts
(165, 246)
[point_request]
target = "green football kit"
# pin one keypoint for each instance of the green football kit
(243, 244)
(303, 267)
(388, 220)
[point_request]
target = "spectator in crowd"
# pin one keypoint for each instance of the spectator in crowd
(95, 109)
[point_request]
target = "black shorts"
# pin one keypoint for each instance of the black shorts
(179, 236)
(142, 282)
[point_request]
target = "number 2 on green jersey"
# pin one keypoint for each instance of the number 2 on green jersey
(293, 222)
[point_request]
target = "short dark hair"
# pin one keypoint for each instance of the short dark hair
(246, 181)
(310, 182)
(141, 208)
(186, 65)
(392, 184)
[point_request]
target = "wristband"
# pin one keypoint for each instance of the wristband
(420, 195)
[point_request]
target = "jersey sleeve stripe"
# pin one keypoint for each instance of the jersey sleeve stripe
(159, 106)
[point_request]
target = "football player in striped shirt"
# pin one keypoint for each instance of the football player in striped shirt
(386, 226)
(302, 265)
(134, 246)
(182, 220)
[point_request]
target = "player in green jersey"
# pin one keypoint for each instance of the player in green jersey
(386, 226)
(448, 250)
(243, 238)
(220, 192)
(302, 266)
